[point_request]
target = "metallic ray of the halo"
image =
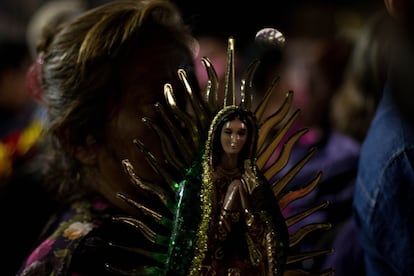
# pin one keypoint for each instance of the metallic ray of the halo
(184, 118)
(160, 170)
(284, 154)
(270, 149)
(143, 270)
(307, 255)
(167, 148)
(246, 87)
(301, 215)
(304, 231)
(211, 92)
(229, 89)
(273, 120)
(148, 233)
(202, 117)
(150, 187)
(260, 109)
(299, 193)
(185, 151)
(160, 219)
(281, 183)
(301, 272)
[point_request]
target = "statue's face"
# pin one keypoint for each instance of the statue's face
(233, 136)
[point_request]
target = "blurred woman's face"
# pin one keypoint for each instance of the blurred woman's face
(142, 87)
(233, 136)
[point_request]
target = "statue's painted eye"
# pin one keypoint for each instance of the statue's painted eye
(242, 132)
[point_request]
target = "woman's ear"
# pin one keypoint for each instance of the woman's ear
(86, 154)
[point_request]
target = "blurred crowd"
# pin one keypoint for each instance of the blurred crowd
(335, 59)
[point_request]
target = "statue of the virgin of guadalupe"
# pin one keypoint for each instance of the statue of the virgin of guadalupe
(242, 231)
(221, 214)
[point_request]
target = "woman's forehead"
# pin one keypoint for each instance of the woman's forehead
(157, 65)
(235, 123)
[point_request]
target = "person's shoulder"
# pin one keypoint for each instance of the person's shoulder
(64, 234)
(389, 134)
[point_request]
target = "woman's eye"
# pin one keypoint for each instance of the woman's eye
(227, 131)
(242, 132)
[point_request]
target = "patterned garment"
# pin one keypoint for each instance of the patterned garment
(83, 240)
